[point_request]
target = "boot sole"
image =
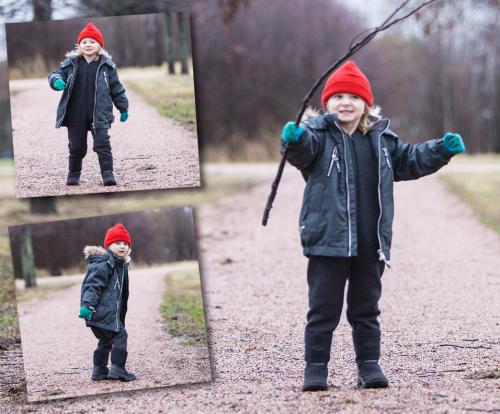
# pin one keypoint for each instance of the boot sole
(315, 387)
(117, 377)
(100, 378)
(375, 383)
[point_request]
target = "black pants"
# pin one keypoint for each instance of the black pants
(326, 277)
(77, 145)
(109, 339)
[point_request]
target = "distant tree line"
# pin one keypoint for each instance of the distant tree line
(158, 236)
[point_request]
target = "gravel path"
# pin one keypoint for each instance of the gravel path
(439, 314)
(150, 151)
(57, 347)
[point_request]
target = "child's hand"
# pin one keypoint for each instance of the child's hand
(453, 143)
(85, 313)
(123, 116)
(291, 133)
(59, 84)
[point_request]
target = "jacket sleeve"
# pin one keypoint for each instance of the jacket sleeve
(117, 92)
(60, 73)
(94, 285)
(301, 154)
(414, 161)
(123, 311)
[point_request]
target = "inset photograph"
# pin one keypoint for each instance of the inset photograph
(102, 105)
(110, 303)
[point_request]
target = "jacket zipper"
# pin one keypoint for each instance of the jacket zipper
(95, 95)
(335, 159)
(386, 153)
(347, 187)
(69, 93)
(119, 297)
(381, 255)
(105, 79)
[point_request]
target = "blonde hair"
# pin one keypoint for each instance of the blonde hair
(77, 51)
(370, 116)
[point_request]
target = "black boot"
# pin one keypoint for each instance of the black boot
(100, 370)
(108, 178)
(367, 348)
(75, 168)
(317, 355)
(315, 376)
(117, 370)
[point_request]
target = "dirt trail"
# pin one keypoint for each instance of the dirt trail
(150, 151)
(57, 347)
(439, 313)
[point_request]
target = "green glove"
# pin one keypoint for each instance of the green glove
(453, 143)
(291, 133)
(59, 84)
(123, 116)
(85, 313)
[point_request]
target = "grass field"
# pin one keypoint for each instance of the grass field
(480, 190)
(182, 308)
(171, 95)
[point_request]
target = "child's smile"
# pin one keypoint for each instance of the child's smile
(89, 47)
(349, 109)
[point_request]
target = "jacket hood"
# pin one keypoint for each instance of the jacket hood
(100, 253)
(73, 55)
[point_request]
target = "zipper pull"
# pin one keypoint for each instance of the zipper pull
(382, 258)
(335, 159)
(386, 153)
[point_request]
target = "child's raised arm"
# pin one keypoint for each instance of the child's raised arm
(303, 145)
(414, 161)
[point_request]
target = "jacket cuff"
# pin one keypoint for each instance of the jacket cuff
(441, 149)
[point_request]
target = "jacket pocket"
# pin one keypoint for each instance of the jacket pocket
(311, 214)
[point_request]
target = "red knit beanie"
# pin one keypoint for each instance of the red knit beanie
(93, 32)
(347, 79)
(117, 233)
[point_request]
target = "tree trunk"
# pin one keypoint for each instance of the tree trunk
(43, 205)
(169, 43)
(42, 10)
(27, 260)
(183, 45)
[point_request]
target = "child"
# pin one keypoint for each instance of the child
(350, 158)
(90, 85)
(103, 302)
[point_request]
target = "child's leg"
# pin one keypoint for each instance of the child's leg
(326, 277)
(102, 147)
(119, 356)
(363, 294)
(77, 145)
(101, 354)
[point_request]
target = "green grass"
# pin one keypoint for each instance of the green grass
(182, 307)
(9, 327)
(171, 95)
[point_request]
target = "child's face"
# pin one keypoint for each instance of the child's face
(89, 46)
(349, 108)
(119, 248)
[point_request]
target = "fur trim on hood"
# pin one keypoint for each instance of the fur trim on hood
(309, 113)
(75, 52)
(101, 251)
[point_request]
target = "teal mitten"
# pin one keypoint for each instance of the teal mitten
(85, 313)
(291, 133)
(453, 143)
(59, 84)
(123, 116)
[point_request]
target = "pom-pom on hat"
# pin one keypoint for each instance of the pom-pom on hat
(93, 32)
(117, 233)
(347, 79)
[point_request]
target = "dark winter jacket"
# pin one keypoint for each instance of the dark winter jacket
(327, 222)
(105, 288)
(108, 90)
